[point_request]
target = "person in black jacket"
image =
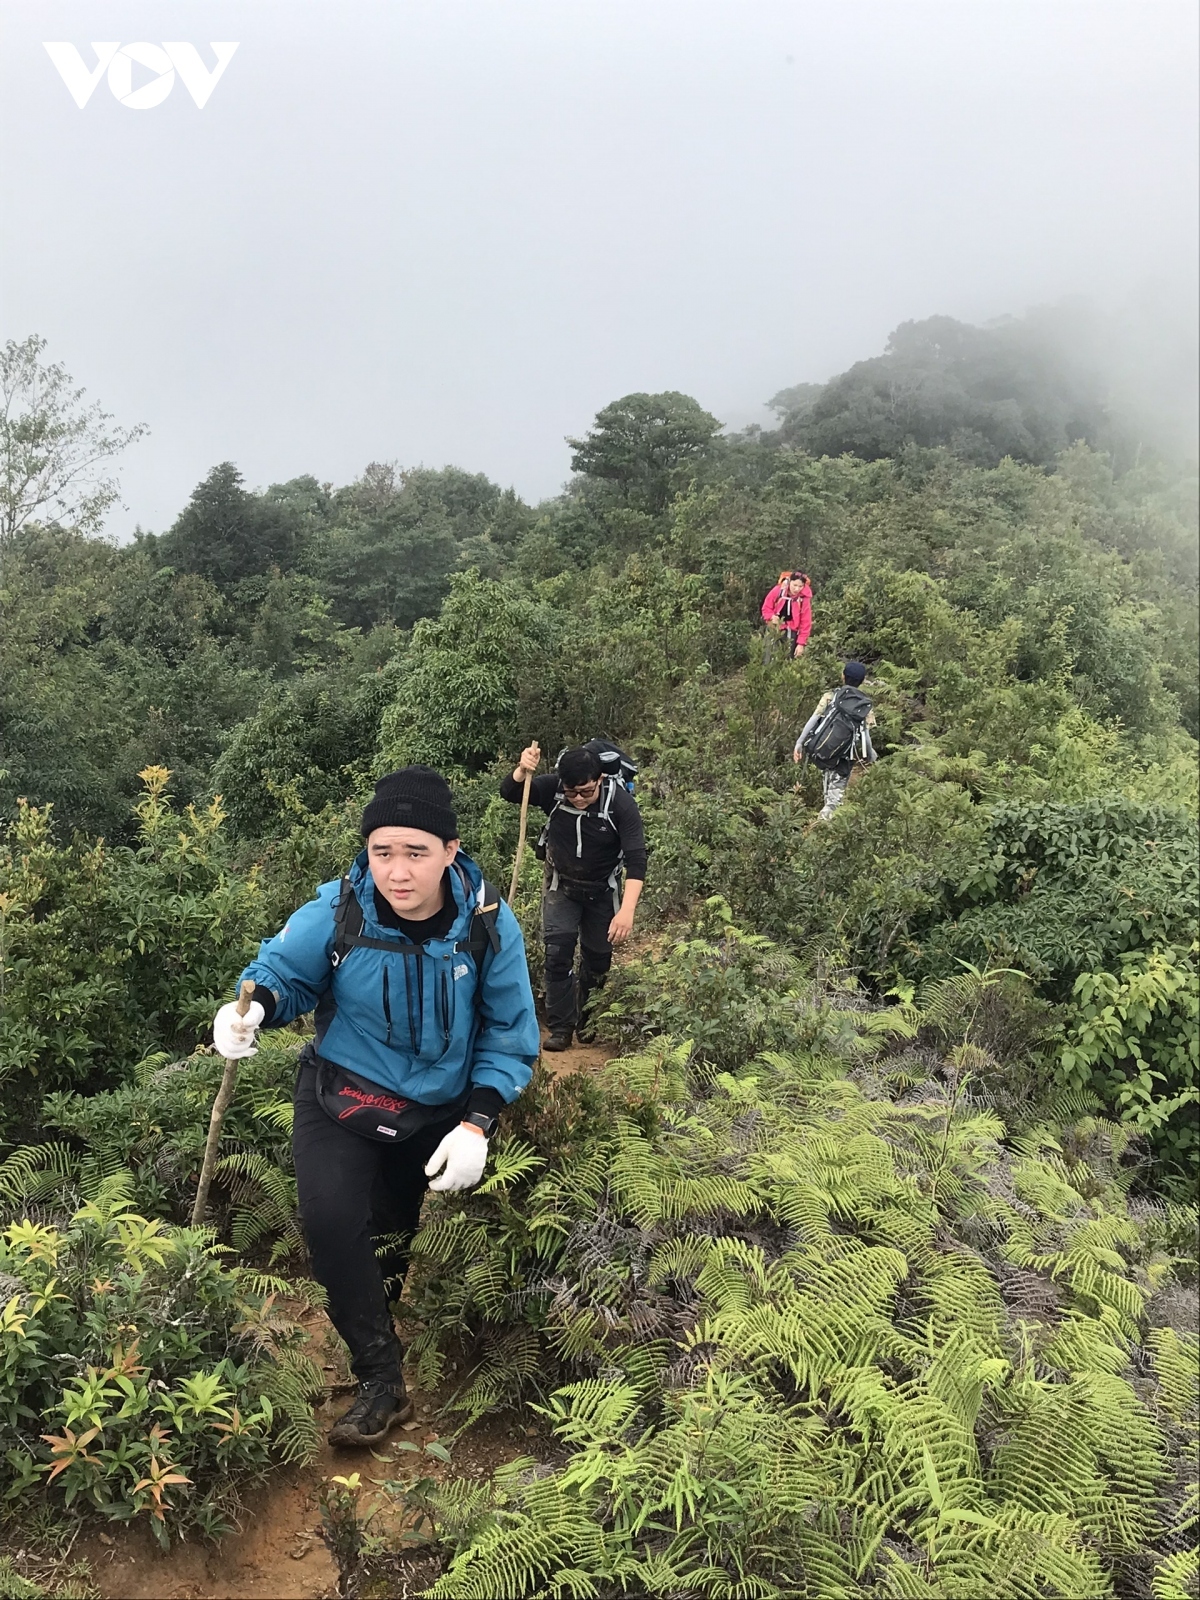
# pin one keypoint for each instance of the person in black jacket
(594, 830)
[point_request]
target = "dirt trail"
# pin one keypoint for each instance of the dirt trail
(279, 1554)
(579, 1058)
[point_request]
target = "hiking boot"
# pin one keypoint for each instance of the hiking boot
(558, 1041)
(586, 1034)
(375, 1411)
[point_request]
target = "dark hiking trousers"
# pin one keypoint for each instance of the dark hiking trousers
(571, 916)
(354, 1192)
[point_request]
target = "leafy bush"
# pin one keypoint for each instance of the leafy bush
(304, 748)
(141, 1377)
(1095, 900)
(457, 699)
(1063, 888)
(1136, 1043)
(107, 953)
(732, 993)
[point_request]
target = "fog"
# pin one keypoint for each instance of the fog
(450, 232)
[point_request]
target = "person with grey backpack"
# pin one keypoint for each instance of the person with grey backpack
(837, 735)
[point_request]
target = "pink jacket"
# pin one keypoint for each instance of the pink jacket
(774, 604)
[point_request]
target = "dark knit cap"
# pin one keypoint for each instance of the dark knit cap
(854, 672)
(414, 797)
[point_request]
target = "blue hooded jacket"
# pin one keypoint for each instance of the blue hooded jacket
(409, 1023)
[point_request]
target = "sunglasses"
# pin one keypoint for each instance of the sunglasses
(570, 789)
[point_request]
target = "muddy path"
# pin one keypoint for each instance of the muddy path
(278, 1553)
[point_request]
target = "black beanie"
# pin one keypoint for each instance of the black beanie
(854, 672)
(414, 797)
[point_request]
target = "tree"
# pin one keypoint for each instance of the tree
(225, 533)
(401, 533)
(391, 567)
(52, 446)
(296, 754)
(1014, 389)
(648, 445)
(796, 403)
(459, 695)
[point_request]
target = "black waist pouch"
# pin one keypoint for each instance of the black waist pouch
(368, 1109)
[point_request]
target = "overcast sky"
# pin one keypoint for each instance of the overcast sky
(451, 231)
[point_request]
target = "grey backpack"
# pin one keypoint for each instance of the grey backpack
(831, 743)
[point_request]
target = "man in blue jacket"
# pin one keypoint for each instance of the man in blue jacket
(425, 1029)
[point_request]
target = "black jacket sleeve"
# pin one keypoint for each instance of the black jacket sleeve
(486, 1099)
(542, 790)
(266, 1000)
(632, 834)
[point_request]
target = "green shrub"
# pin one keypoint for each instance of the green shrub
(1061, 888)
(108, 953)
(458, 695)
(1135, 1041)
(731, 993)
(1096, 901)
(141, 1377)
(155, 1127)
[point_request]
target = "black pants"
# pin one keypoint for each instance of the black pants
(354, 1192)
(571, 916)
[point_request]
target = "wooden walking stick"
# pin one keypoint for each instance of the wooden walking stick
(516, 873)
(220, 1107)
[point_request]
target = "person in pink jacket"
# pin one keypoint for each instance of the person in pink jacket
(788, 609)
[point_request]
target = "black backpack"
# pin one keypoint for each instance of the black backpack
(614, 763)
(832, 742)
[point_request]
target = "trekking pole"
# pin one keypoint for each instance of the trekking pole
(220, 1107)
(516, 872)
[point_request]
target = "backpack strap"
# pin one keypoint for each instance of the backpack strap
(482, 935)
(609, 789)
(348, 924)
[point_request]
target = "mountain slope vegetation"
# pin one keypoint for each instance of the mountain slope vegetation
(868, 1264)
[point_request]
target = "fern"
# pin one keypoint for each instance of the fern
(1176, 1360)
(290, 1384)
(265, 1202)
(797, 1338)
(1177, 1577)
(34, 1171)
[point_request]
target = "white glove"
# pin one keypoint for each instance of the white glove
(233, 1036)
(464, 1156)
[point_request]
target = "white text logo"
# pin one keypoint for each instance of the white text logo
(119, 60)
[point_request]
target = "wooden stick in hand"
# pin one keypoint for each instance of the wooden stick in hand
(516, 872)
(220, 1106)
